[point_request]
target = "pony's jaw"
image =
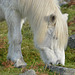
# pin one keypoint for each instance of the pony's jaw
(50, 57)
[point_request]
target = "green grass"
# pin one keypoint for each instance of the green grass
(30, 53)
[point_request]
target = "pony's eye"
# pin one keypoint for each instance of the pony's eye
(52, 18)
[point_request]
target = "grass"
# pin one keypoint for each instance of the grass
(30, 53)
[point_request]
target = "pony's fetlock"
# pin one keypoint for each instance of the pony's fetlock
(20, 63)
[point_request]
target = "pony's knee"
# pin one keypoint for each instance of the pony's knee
(17, 39)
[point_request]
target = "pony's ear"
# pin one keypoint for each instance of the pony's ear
(65, 16)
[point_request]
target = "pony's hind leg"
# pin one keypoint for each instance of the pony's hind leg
(15, 38)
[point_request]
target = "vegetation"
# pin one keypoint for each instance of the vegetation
(30, 53)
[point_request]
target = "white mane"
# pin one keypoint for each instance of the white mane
(35, 10)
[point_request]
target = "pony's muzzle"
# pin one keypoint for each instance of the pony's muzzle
(57, 63)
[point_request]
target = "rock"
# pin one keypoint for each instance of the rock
(62, 70)
(63, 2)
(29, 72)
(71, 41)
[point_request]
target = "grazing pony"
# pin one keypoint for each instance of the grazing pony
(48, 24)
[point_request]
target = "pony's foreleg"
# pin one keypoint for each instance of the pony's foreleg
(15, 38)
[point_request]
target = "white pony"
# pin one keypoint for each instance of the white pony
(48, 24)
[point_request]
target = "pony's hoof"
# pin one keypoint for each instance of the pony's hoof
(20, 63)
(8, 57)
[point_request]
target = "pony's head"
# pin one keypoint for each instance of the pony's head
(52, 40)
(50, 30)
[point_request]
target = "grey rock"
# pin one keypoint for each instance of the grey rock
(63, 3)
(62, 70)
(29, 72)
(71, 41)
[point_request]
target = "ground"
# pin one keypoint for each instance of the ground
(30, 53)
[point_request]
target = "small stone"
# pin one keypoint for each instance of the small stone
(71, 41)
(29, 72)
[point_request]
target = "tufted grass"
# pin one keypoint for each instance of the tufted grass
(30, 53)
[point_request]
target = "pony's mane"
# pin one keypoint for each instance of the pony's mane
(37, 10)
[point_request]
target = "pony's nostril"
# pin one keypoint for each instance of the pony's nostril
(58, 62)
(50, 63)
